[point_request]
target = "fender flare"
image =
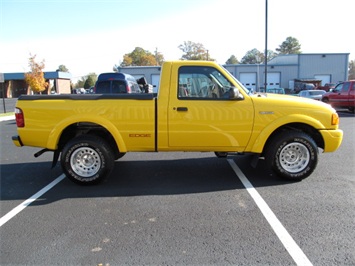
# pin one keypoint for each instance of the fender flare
(258, 145)
(57, 131)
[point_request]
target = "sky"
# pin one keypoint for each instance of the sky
(91, 36)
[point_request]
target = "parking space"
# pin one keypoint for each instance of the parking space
(178, 209)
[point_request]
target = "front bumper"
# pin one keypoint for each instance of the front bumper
(332, 139)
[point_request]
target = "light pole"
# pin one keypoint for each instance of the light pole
(266, 7)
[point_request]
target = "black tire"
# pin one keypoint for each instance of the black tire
(87, 160)
(292, 155)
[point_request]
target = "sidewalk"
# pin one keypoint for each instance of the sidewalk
(7, 118)
(7, 105)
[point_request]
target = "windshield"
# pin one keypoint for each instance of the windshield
(237, 81)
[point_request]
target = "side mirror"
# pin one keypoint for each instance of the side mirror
(235, 94)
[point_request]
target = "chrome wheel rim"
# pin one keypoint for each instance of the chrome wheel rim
(294, 157)
(85, 162)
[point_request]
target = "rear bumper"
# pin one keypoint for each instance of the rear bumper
(332, 139)
(17, 141)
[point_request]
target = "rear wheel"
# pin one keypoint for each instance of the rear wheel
(87, 159)
(292, 155)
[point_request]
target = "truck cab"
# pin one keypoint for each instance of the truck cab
(342, 96)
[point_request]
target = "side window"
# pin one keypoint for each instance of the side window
(345, 87)
(134, 87)
(338, 87)
(196, 82)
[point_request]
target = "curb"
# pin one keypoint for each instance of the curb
(7, 118)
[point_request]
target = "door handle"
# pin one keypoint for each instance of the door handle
(181, 109)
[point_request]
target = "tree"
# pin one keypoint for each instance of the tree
(141, 57)
(351, 69)
(63, 68)
(289, 46)
(35, 78)
(90, 81)
(253, 56)
(270, 55)
(232, 60)
(194, 51)
(80, 83)
(86, 81)
(159, 57)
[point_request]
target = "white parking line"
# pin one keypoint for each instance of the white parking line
(27, 202)
(291, 246)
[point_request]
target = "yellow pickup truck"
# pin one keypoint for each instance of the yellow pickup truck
(200, 106)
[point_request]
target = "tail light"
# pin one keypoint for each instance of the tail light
(20, 119)
(128, 89)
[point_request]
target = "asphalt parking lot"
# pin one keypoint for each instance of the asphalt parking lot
(177, 209)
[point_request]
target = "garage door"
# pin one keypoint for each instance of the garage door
(323, 78)
(248, 80)
(273, 80)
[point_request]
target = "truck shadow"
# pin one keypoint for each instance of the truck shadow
(135, 178)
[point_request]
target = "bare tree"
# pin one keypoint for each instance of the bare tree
(194, 51)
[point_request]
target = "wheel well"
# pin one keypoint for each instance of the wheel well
(312, 132)
(86, 128)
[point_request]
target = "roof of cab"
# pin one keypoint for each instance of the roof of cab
(115, 76)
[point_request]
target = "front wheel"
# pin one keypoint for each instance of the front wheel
(292, 155)
(87, 159)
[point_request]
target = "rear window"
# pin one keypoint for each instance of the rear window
(102, 87)
(119, 86)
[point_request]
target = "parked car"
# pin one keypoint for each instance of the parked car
(304, 86)
(276, 90)
(116, 83)
(342, 96)
(312, 94)
(327, 87)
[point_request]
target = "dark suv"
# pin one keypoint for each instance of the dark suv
(116, 83)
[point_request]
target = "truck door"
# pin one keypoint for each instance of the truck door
(341, 95)
(202, 117)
